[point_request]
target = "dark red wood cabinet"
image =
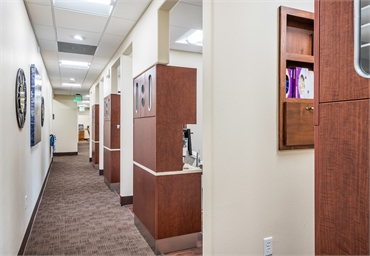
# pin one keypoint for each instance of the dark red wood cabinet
(341, 136)
(167, 200)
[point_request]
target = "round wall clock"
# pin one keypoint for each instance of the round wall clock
(42, 111)
(21, 97)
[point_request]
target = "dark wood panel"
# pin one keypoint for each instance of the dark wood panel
(95, 122)
(317, 62)
(112, 166)
(342, 179)
(176, 95)
(145, 199)
(145, 142)
(168, 147)
(298, 124)
(179, 205)
(115, 136)
(338, 79)
(95, 152)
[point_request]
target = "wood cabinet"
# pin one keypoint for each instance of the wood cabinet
(167, 199)
(296, 50)
(112, 122)
(95, 134)
(342, 136)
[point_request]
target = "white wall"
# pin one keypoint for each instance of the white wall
(22, 168)
(83, 117)
(65, 125)
(251, 190)
(192, 60)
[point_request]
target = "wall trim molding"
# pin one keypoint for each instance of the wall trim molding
(126, 200)
(33, 215)
(66, 154)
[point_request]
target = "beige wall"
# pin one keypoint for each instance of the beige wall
(251, 190)
(22, 168)
(65, 124)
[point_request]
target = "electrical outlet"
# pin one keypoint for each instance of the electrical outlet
(25, 202)
(267, 246)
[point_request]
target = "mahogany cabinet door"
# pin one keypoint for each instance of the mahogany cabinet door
(150, 92)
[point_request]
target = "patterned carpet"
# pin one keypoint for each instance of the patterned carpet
(79, 215)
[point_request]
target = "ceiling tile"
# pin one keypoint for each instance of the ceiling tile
(40, 14)
(131, 10)
(44, 32)
(176, 33)
(193, 2)
(110, 41)
(42, 2)
(79, 21)
(49, 55)
(48, 45)
(186, 15)
(66, 35)
(186, 47)
(119, 27)
(105, 52)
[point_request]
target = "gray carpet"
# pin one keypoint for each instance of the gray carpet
(79, 215)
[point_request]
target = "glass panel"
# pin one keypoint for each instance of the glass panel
(137, 98)
(150, 93)
(142, 99)
(362, 37)
(365, 35)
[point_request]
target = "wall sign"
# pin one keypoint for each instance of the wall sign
(42, 111)
(21, 97)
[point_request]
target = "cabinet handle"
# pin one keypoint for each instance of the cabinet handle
(309, 108)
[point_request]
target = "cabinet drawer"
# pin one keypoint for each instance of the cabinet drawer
(298, 124)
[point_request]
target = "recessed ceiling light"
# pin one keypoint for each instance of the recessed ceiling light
(78, 37)
(74, 64)
(100, 7)
(71, 85)
(87, 96)
(194, 37)
(72, 79)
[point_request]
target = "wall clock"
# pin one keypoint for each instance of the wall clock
(21, 97)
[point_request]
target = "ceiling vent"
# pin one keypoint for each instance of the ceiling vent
(76, 48)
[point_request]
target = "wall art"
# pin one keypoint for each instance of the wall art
(21, 97)
(35, 105)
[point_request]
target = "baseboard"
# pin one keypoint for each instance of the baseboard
(66, 154)
(125, 200)
(33, 216)
(101, 172)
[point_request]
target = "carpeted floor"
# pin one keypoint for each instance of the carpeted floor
(79, 215)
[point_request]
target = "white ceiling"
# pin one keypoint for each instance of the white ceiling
(53, 25)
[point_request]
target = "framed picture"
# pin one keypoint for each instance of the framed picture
(35, 105)
(21, 97)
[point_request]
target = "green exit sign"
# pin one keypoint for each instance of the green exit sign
(78, 98)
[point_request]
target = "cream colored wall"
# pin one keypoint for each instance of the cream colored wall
(22, 168)
(251, 190)
(192, 60)
(65, 124)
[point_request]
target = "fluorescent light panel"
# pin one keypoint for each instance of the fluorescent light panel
(71, 85)
(100, 7)
(193, 37)
(74, 64)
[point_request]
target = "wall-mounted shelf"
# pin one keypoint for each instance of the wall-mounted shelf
(296, 51)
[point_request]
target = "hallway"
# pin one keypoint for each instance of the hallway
(78, 214)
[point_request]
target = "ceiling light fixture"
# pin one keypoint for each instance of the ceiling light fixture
(100, 7)
(72, 79)
(71, 85)
(193, 37)
(74, 64)
(78, 37)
